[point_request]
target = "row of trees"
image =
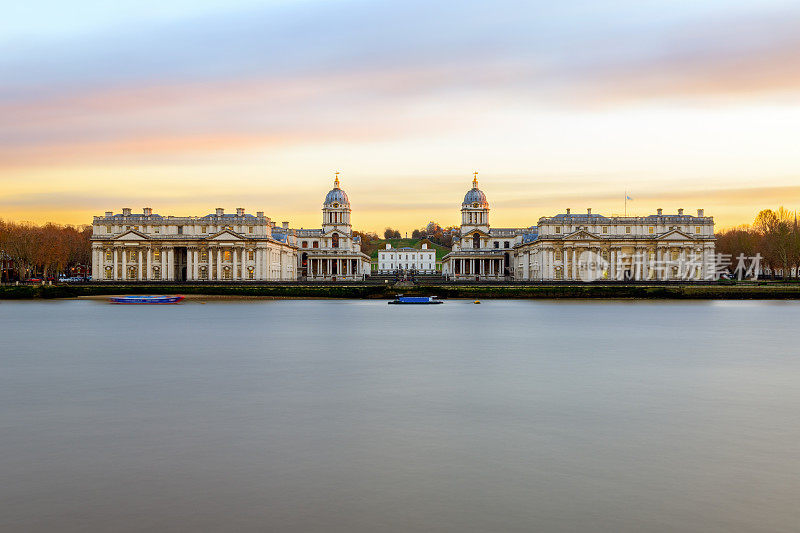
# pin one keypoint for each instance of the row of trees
(773, 234)
(30, 250)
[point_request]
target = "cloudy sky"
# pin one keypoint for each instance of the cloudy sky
(188, 105)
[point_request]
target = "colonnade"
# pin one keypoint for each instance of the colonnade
(328, 267)
(492, 267)
(647, 262)
(213, 263)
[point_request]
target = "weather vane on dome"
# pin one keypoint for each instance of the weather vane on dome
(475, 179)
(336, 180)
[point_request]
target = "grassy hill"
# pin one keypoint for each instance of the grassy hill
(372, 251)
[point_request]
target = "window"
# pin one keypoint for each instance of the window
(109, 255)
(156, 273)
(136, 228)
(226, 255)
(305, 244)
(496, 244)
(156, 255)
(249, 229)
(250, 254)
(559, 255)
(180, 230)
(558, 230)
(132, 255)
(204, 229)
(697, 229)
(109, 271)
(108, 229)
(316, 244)
(605, 229)
(156, 230)
(335, 240)
(627, 229)
(506, 244)
(127, 227)
(250, 273)
(203, 255)
(650, 229)
(476, 241)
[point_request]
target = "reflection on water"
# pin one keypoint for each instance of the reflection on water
(360, 416)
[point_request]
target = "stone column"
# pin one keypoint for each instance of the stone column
(196, 263)
(139, 261)
(234, 264)
(210, 253)
(171, 263)
(124, 264)
(219, 264)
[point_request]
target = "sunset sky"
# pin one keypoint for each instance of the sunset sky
(189, 105)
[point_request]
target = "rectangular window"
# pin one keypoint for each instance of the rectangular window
(316, 244)
(558, 230)
(156, 255)
(136, 228)
(132, 255)
(650, 229)
(108, 229)
(156, 230)
(558, 255)
(506, 244)
(627, 229)
(180, 230)
(226, 255)
(496, 244)
(697, 229)
(203, 255)
(250, 255)
(203, 229)
(109, 255)
(305, 244)
(605, 229)
(249, 229)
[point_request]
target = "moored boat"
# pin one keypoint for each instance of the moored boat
(416, 300)
(161, 299)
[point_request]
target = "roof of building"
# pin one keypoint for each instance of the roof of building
(337, 195)
(475, 195)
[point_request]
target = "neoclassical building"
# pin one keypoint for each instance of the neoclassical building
(147, 246)
(590, 246)
(422, 259)
(581, 247)
(481, 252)
(330, 253)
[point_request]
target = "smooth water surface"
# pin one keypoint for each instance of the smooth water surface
(357, 416)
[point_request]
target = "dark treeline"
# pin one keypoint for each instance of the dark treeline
(29, 250)
(773, 234)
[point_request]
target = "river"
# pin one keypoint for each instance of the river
(357, 416)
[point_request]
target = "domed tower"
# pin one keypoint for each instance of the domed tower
(474, 209)
(336, 210)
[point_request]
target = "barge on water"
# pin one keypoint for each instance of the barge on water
(158, 300)
(416, 300)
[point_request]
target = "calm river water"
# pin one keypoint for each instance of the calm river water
(357, 416)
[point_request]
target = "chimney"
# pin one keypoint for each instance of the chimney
(240, 211)
(260, 214)
(285, 224)
(680, 211)
(700, 212)
(109, 214)
(589, 211)
(126, 211)
(659, 211)
(147, 211)
(220, 211)
(568, 210)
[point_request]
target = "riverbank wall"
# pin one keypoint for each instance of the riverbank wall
(738, 291)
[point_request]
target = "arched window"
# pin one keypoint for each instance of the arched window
(335, 240)
(476, 241)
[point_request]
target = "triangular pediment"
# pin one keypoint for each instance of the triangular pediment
(675, 235)
(132, 235)
(343, 234)
(472, 232)
(225, 235)
(581, 235)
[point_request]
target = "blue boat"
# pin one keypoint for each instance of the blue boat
(158, 300)
(416, 300)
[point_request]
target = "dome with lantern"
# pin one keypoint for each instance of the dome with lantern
(475, 197)
(336, 197)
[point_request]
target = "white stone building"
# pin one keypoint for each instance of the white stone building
(215, 247)
(479, 251)
(422, 259)
(331, 253)
(581, 247)
(589, 246)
